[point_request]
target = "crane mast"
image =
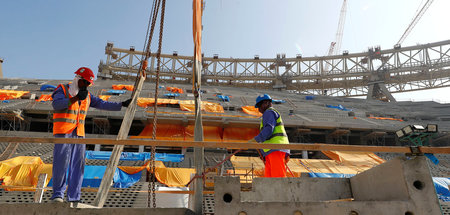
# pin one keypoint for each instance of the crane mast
(340, 30)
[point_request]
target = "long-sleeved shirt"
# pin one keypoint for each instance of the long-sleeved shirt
(60, 102)
(269, 118)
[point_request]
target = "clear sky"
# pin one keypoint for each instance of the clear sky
(50, 39)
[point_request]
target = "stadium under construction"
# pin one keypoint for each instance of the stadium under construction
(181, 146)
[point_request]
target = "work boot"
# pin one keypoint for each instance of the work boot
(74, 204)
(57, 200)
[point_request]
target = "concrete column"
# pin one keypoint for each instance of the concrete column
(305, 154)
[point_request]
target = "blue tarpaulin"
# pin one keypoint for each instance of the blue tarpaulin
(48, 87)
(93, 177)
(123, 180)
(329, 175)
(278, 101)
(310, 97)
(441, 185)
(171, 95)
(134, 156)
(116, 92)
(223, 98)
(339, 107)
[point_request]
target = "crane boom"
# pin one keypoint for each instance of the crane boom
(415, 20)
(340, 30)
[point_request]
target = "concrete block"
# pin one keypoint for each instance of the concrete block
(380, 183)
(400, 186)
(399, 179)
(300, 190)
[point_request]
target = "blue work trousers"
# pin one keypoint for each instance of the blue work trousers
(71, 157)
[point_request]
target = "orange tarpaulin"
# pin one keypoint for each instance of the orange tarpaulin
(231, 134)
(122, 86)
(386, 118)
(172, 177)
(104, 97)
(251, 110)
(11, 94)
(164, 132)
(189, 105)
(175, 90)
(147, 102)
(210, 133)
(45, 97)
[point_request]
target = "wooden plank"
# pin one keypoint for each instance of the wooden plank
(230, 145)
(40, 188)
(9, 151)
(102, 193)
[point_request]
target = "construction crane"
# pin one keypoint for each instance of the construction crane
(414, 21)
(335, 46)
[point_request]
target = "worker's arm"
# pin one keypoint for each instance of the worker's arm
(269, 123)
(60, 102)
(98, 103)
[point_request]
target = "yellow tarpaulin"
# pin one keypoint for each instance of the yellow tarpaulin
(11, 94)
(104, 97)
(325, 166)
(189, 105)
(298, 166)
(251, 110)
(360, 161)
(23, 172)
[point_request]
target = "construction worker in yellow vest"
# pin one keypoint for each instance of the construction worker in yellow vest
(71, 103)
(271, 131)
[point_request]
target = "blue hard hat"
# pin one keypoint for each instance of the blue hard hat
(261, 98)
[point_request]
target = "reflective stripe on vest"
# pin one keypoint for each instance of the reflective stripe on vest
(65, 121)
(279, 135)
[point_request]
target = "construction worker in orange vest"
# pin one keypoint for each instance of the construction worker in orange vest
(71, 103)
(272, 132)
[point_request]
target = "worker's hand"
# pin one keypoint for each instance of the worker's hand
(126, 103)
(252, 141)
(287, 158)
(82, 94)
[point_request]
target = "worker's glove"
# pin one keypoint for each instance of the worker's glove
(82, 94)
(126, 103)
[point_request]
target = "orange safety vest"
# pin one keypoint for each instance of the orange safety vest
(64, 121)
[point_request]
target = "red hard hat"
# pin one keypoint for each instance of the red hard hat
(86, 73)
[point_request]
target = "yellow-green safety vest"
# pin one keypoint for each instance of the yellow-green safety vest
(279, 135)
